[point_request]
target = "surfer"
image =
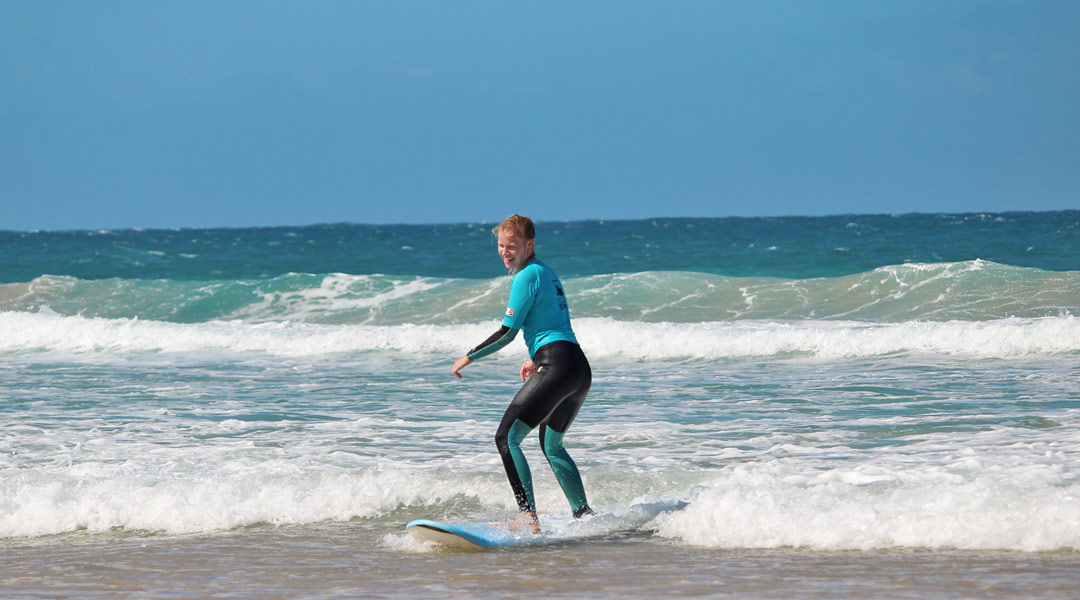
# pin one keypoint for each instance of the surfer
(556, 375)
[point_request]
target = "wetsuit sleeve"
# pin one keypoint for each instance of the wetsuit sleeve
(522, 295)
(496, 342)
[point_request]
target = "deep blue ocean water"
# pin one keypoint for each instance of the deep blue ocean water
(784, 247)
(887, 382)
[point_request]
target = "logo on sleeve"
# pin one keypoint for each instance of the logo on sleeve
(509, 311)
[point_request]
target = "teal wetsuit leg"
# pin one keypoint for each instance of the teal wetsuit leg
(524, 490)
(565, 470)
(550, 398)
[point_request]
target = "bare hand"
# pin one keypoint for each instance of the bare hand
(528, 369)
(460, 364)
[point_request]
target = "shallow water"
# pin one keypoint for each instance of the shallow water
(181, 417)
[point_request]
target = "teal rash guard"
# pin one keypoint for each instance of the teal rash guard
(538, 306)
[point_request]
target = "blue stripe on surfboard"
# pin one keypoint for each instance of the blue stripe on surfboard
(485, 535)
(555, 529)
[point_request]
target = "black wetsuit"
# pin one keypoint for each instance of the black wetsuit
(552, 397)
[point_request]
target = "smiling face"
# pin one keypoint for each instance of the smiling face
(514, 249)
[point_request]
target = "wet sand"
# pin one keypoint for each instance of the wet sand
(353, 560)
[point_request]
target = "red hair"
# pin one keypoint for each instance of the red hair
(518, 224)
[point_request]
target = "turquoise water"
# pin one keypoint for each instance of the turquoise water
(810, 386)
(786, 247)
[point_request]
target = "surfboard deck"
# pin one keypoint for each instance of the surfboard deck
(477, 536)
(482, 536)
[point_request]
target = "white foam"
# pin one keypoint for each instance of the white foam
(337, 293)
(1011, 486)
(778, 505)
(50, 332)
(828, 339)
(405, 542)
(1014, 337)
(162, 498)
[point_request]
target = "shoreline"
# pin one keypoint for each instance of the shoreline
(357, 559)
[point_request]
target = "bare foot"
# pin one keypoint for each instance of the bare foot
(525, 519)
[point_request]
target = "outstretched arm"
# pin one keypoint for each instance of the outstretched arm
(494, 343)
(460, 364)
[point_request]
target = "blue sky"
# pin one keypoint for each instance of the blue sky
(225, 113)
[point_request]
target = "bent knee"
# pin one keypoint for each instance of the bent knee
(511, 437)
(552, 442)
(501, 441)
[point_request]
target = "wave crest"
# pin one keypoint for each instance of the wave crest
(1006, 338)
(972, 290)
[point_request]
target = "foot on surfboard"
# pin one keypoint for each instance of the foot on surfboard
(525, 520)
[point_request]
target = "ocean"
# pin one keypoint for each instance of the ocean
(849, 406)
